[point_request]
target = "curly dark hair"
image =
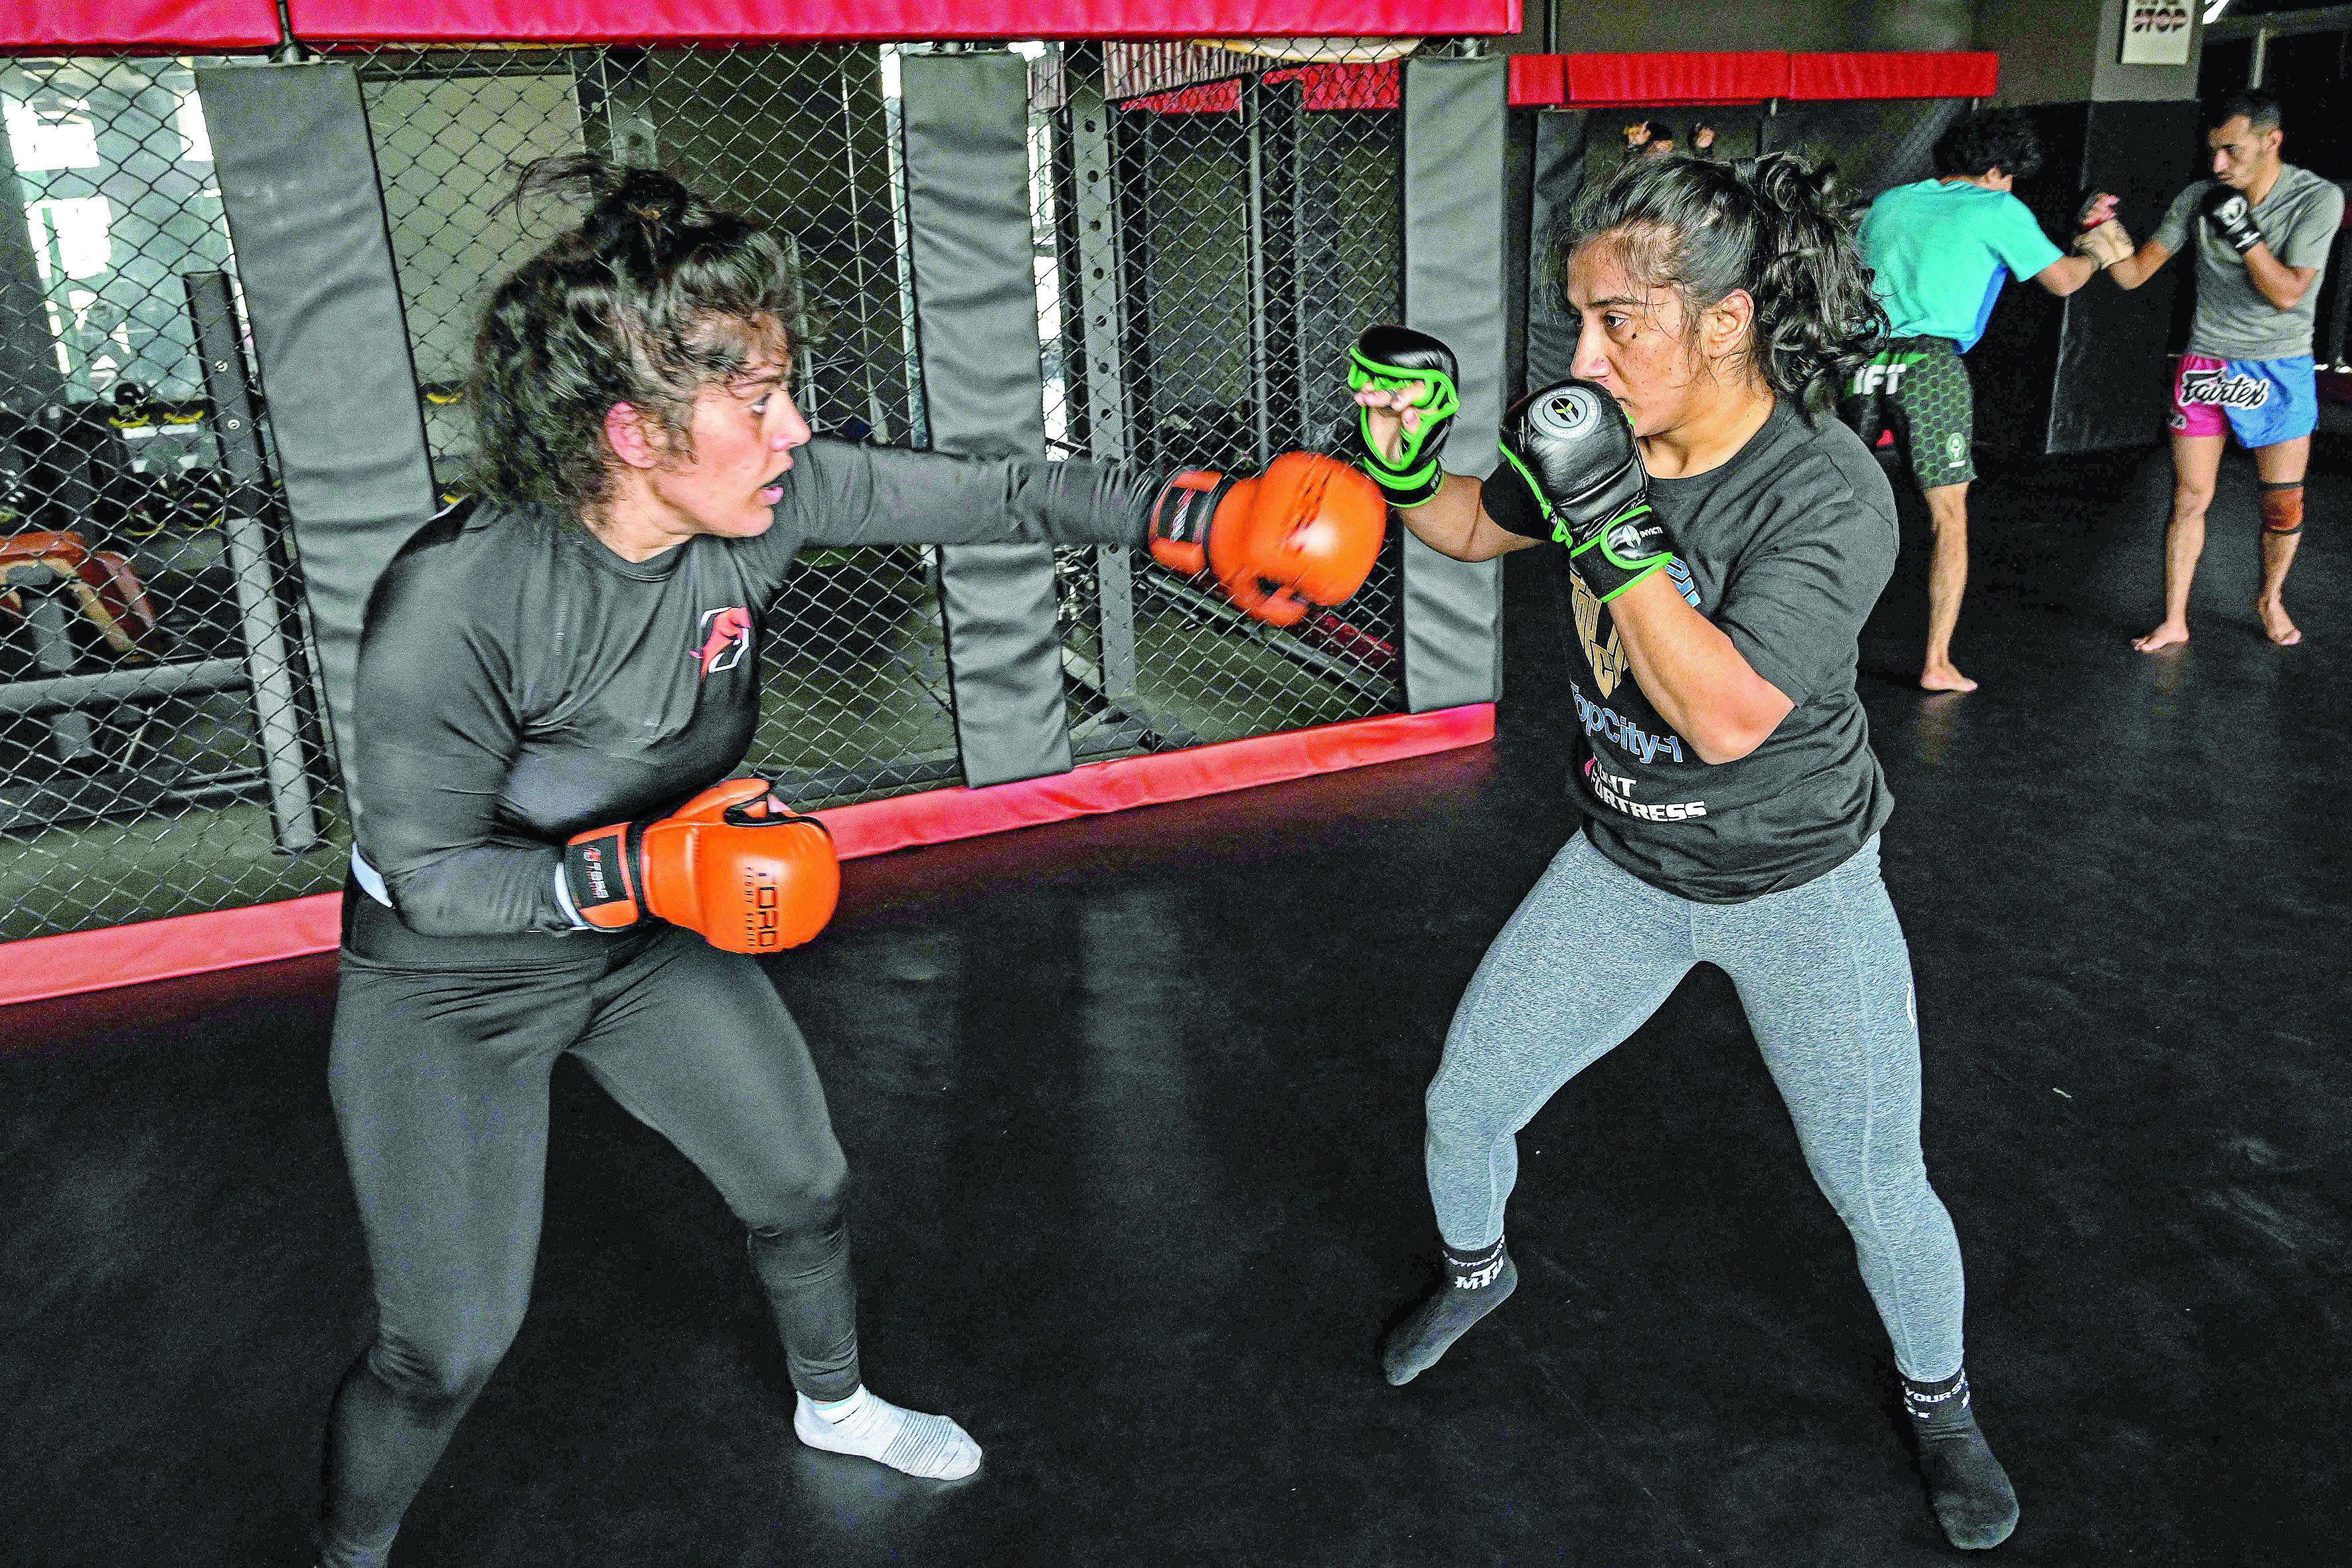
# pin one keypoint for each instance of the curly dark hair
(654, 296)
(1770, 226)
(1990, 139)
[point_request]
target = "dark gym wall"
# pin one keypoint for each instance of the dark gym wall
(2086, 373)
(2061, 51)
(2113, 349)
(1876, 143)
(1600, 26)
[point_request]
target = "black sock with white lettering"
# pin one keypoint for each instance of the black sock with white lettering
(1966, 1485)
(1470, 1285)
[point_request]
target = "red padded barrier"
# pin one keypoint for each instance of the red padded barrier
(1894, 75)
(726, 21)
(78, 962)
(935, 817)
(1206, 98)
(1696, 76)
(1537, 81)
(1335, 86)
(1338, 85)
(164, 25)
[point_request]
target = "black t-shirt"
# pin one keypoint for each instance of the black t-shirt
(1785, 548)
(519, 682)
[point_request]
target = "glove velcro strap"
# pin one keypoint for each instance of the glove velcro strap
(600, 875)
(1615, 557)
(1616, 585)
(1180, 515)
(1620, 540)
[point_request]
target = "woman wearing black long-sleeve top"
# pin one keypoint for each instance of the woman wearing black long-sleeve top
(581, 648)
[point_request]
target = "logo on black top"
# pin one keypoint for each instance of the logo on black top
(724, 637)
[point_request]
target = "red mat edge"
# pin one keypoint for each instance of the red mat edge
(74, 963)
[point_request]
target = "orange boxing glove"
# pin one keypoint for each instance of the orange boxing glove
(1305, 533)
(734, 863)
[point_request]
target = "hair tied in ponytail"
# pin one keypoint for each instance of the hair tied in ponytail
(656, 295)
(1770, 226)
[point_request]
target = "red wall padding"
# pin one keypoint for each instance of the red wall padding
(1699, 77)
(1324, 87)
(1202, 97)
(1538, 80)
(715, 21)
(1376, 86)
(1894, 76)
(84, 25)
(1689, 78)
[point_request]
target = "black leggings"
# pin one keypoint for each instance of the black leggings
(439, 1079)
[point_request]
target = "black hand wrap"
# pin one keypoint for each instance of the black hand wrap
(2232, 216)
(1571, 473)
(1392, 359)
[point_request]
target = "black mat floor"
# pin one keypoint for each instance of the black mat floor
(1133, 1106)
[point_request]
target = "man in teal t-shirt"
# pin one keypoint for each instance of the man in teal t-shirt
(1938, 251)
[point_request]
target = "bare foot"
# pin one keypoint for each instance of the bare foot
(1941, 676)
(2275, 625)
(2164, 636)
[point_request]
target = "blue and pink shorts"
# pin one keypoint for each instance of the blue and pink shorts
(2260, 401)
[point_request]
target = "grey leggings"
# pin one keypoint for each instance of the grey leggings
(1823, 975)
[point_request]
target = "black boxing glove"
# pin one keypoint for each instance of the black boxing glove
(1571, 473)
(1393, 358)
(2232, 215)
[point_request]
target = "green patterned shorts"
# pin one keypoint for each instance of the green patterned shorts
(1915, 398)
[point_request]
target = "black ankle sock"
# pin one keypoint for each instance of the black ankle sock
(1470, 1285)
(1966, 1485)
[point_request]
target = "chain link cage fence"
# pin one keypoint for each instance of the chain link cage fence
(806, 141)
(1206, 253)
(1212, 231)
(159, 746)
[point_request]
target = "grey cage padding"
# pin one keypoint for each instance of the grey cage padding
(967, 152)
(1453, 238)
(298, 183)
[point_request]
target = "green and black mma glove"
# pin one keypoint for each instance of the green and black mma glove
(1393, 359)
(1571, 473)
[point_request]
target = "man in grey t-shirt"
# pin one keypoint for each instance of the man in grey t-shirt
(2262, 228)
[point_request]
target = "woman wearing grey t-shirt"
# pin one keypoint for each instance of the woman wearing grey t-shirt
(1721, 549)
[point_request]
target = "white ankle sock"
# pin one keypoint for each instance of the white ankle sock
(873, 1428)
